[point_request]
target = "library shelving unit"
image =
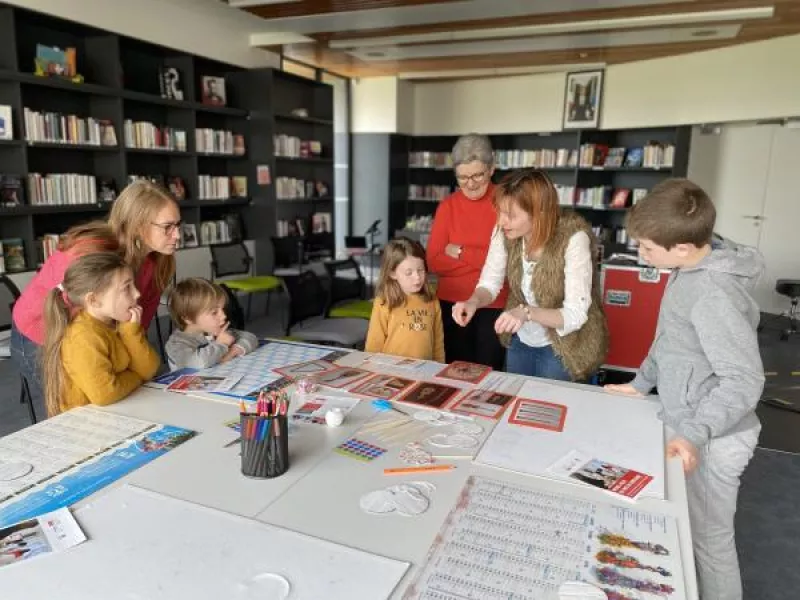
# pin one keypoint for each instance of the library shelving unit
(288, 115)
(418, 182)
(122, 84)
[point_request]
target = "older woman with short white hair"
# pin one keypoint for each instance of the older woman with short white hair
(457, 249)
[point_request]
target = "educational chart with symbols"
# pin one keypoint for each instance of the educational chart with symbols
(59, 461)
(506, 541)
(256, 370)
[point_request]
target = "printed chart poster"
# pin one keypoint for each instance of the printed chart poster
(82, 480)
(465, 371)
(306, 369)
(601, 474)
(481, 403)
(382, 386)
(430, 394)
(341, 377)
(539, 414)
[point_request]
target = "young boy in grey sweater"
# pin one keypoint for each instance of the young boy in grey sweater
(706, 364)
(203, 338)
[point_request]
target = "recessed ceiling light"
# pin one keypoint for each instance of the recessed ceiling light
(583, 54)
(376, 53)
(704, 33)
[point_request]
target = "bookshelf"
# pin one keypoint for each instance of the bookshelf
(420, 173)
(197, 142)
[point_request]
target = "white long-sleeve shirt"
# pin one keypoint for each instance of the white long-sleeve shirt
(578, 272)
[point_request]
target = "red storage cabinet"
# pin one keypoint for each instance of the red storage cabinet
(631, 300)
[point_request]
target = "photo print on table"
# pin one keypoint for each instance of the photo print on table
(434, 395)
(382, 386)
(481, 403)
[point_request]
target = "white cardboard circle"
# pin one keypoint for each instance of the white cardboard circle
(9, 471)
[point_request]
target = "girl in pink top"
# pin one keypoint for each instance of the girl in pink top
(144, 225)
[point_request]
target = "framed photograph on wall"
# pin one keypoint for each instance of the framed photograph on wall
(582, 97)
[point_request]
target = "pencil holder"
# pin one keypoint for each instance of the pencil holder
(265, 446)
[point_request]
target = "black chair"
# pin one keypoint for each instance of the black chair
(347, 291)
(234, 259)
(306, 320)
(9, 293)
(791, 289)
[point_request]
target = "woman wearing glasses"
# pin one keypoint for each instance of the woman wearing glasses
(144, 225)
(553, 324)
(457, 247)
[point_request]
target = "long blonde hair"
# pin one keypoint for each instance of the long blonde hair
(132, 213)
(388, 290)
(90, 273)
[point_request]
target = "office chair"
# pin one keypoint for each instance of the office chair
(9, 293)
(791, 289)
(234, 259)
(346, 291)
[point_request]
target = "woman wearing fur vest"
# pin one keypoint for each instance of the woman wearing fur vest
(553, 325)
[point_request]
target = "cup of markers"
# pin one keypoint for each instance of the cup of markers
(265, 436)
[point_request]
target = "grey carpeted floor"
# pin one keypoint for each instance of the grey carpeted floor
(768, 526)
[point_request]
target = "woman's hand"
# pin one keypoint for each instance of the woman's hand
(453, 251)
(626, 389)
(464, 311)
(511, 320)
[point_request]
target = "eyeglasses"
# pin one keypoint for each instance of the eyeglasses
(168, 228)
(477, 178)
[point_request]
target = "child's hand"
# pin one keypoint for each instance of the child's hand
(625, 389)
(135, 314)
(687, 452)
(225, 337)
(463, 312)
(510, 321)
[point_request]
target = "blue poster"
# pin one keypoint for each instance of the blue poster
(84, 480)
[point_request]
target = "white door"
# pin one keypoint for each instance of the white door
(733, 167)
(780, 236)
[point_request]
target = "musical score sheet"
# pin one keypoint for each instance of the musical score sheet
(507, 542)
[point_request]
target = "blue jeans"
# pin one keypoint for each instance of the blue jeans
(535, 361)
(25, 354)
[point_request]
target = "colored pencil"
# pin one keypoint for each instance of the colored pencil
(422, 469)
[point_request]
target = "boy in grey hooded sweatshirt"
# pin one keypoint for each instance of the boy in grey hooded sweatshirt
(202, 338)
(706, 364)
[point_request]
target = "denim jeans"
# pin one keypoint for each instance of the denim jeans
(535, 361)
(25, 354)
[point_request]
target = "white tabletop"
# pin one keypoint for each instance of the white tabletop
(319, 495)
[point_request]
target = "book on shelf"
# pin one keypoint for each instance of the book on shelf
(14, 254)
(145, 135)
(594, 197)
(106, 189)
(53, 127)
(239, 186)
(219, 231)
(6, 123)
(58, 189)
(321, 222)
(213, 141)
(289, 146)
(177, 187)
(430, 160)
(46, 246)
(433, 193)
(541, 158)
(213, 187)
(169, 79)
(614, 158)
(11, 194)
(292, 188)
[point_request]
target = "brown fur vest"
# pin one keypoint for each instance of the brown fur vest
(582, 351)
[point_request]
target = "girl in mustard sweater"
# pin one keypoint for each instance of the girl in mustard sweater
(95, 349)
(406, 317)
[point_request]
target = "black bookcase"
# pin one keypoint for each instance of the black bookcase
(122, 82)
(607, 220)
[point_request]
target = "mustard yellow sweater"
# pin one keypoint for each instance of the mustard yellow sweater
(103, 363)
(413, 330)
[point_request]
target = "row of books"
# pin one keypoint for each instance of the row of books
(433, 193)
(652, 155)
(291, 188)
(293, 147)
(535, 159)
(58, 189)
(319, 222)
(67, 129)
(214, 141)
(147, 135)
(600, 197)
(214, 187)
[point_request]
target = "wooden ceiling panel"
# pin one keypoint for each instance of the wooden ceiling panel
(786, 21)
(325, 7)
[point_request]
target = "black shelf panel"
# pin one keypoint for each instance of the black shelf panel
(315, 160)
(222, 155)
(70, 146)
(11, 143)
(309, 120)
(159, 151)
(226, 202)
(220, 110)
(660, 170)
(182, 104)
(305, 200)
(59, 84)
(67, 208)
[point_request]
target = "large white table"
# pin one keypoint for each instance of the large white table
(319, 494)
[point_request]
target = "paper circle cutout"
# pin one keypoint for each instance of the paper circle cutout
(468, 428)
(9, 471)
(454, 440)
(265, 586)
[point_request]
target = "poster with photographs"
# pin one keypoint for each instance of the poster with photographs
(213, 91)
(582, 98)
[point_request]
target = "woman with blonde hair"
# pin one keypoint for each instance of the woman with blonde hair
(553, 325)
(144, 226)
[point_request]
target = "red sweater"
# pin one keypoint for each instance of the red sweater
(28, 312)
(469, 224)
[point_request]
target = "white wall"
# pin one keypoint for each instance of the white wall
(746, 82)
(405, 106)
(203, 27)
(374, 105)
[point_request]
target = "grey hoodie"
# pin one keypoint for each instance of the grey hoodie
(705, 358)
(197, 351)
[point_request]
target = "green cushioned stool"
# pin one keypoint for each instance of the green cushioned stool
(356, 309)
(346, 291)
(234, 259)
